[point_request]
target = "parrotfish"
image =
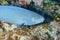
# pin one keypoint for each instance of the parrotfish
(18, 16)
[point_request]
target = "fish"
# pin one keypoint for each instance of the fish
(18, 16)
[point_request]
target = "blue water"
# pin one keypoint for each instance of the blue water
(18, 16)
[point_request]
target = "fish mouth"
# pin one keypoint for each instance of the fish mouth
(38, 21)
(35, 21)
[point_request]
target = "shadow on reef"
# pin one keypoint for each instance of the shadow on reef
(48, 17)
